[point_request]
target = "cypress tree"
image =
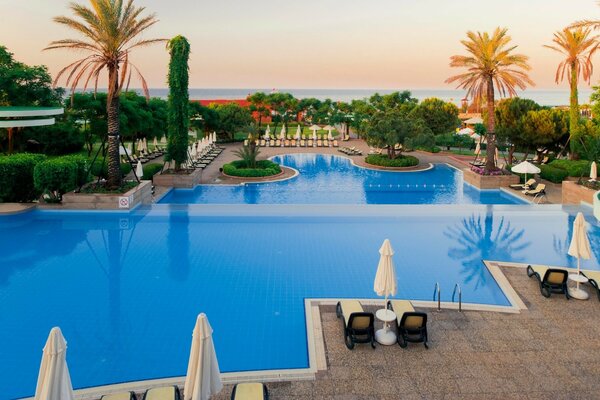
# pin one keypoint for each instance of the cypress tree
(178, 109)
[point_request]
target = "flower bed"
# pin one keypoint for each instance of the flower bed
(381, 160)
(482, 171)
(263, 168)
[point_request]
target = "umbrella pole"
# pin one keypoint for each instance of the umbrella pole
(578, 271)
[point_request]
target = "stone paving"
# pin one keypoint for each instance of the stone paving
(551, 350)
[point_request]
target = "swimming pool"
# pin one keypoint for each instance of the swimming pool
(331, 179)
(125, 288)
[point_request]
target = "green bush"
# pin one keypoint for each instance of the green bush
(101, 169)
(263, 168)
(64, 137)
(576, 168)
(150, 170)
(383, 161)
(56, 176)
(433, 149)
(556, 175)
(82, 165)
(16, 177)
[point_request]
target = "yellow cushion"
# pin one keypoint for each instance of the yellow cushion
(595, 275)
(540, 270)
(349, 307)
(249, 391)
(555, 277)
(161, 393)
(117, 396)
(400, 307)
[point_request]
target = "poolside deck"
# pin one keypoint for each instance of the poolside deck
(551, 350)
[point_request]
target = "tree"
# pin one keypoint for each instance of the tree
(232, 118)
(111, 30)
(578, 47)
(178, 116)
(509, 122)
(285, 107)
(203, 118)
(259, 105)
(392, 127)
(491, 66)
(439, 116)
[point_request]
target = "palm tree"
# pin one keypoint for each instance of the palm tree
(491, 67)
(578, 47)
(110, 30)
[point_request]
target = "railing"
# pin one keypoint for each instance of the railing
(458, 290)
(437, 293)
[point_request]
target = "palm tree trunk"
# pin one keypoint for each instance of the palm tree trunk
(490, 164)
(573, 112)
(112, 110)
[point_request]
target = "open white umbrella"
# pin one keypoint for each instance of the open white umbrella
(593, 172)
(385, 285)
(580, 248)
(139, 170)
(525, 167)
(54, 381)
(163, 140)
(203, 377)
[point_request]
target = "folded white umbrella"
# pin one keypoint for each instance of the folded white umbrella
(593, 171)
(282, 133)
(268, 131)
(145, 145)
(477, 149)
(203, 377)
(385, 278)
(580, 244)
(525, 167)
(298, 132)
(139, 170)
(155, 143)
(194, 152)
(214, 137)
(163, 140)
(54, 381)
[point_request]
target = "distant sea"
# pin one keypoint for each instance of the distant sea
(542, 97)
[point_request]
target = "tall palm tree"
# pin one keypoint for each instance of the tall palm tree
(578, 47)
(111, 29)
(491, 67)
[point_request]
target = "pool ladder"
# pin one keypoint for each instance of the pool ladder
(437, 296)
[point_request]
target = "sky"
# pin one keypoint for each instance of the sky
(354, 44)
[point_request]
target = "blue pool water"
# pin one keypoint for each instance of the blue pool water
(330, 179)
(126, 287)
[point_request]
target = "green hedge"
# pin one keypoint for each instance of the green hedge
(264, 168)
(383, 161)
(433, 149)
(556, 175)
(16, 177)
(101, 170)
(59, 175)
(576, 168)
(150, 170)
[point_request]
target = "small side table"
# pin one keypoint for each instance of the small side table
(385, 335)
(577, 292)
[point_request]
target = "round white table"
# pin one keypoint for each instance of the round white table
(385, 335)
(577, 292)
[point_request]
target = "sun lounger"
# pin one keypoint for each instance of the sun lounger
(412, 325)
(162, 393)
(552, 280)
(594, 279)
(325, 143)
(538, 190)
(263, 143)
(530, 184)
(302, 143)
(120, 396)
(358, 324)
(310, 143)
(335, 143)
(293, 142)
(250, 391)
(278, 143)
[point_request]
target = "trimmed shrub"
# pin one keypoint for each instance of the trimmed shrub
(398, 162)
(576, 168)
(82, 165)
(433, 149)
(16, 177)
(263, 168)
(56, 176)
(556, 175)
(61, 138)
(101, 170)
(150, 170)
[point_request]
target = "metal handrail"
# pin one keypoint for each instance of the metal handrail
(457, 287)
(437, 291)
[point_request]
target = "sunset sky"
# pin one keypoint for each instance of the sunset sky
(377, 44)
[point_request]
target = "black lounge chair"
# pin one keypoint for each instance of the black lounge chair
(358, 325)
(593, 279)
(552, 280)
(162, 393)
(120, 396)
(250, 391)
(412, 325)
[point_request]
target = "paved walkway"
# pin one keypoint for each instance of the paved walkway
(551, 350)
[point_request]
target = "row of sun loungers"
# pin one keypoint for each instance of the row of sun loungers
(297, 143)
(554, 280)
(202, 161)
(144, 156)
(351, 151)
(359, 325)
(241, 391)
